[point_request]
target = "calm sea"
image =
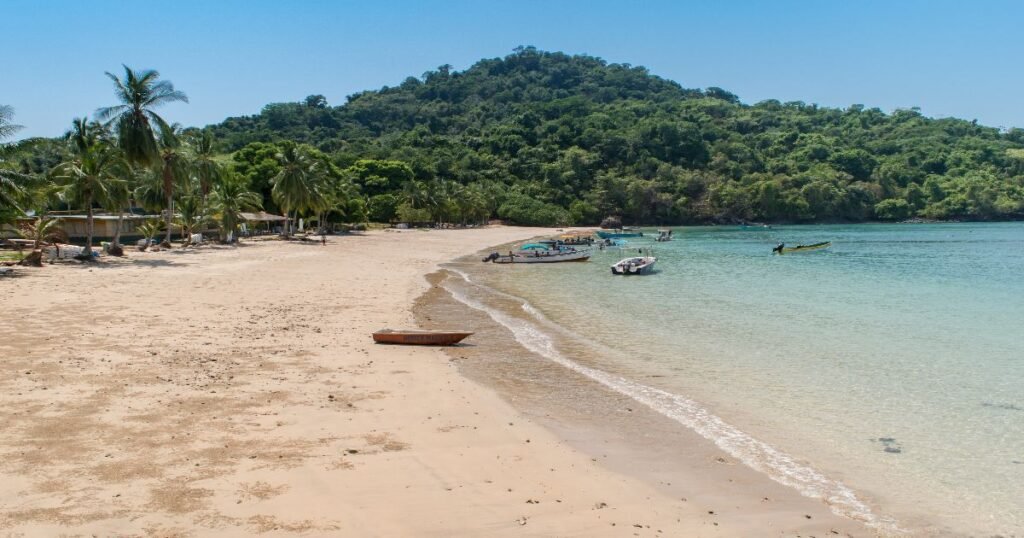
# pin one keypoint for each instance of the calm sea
(885, 374)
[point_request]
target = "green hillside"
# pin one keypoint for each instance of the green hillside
(548, 138)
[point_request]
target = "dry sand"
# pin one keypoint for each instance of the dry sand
(235, 391)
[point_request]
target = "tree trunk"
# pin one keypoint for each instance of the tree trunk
(88, 226)
(169, 224)
(117, 229)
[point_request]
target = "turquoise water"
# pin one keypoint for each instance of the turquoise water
(888, 369)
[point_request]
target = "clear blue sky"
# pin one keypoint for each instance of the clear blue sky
(951, 58)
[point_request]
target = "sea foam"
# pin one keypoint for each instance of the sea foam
(754, 453)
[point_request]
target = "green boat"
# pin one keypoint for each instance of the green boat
(783, 249)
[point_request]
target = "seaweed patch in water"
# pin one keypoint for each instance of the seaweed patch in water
(1006, 406)
(889, 445)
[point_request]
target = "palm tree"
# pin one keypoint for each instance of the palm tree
(139, 129)
(10, 192)
(119, 196)
(87, 179)
(150, 229)
(228, 199)
(207, 169)
(294, 185)
(191, 214)
(7, 129)
(174, 170)
(41, 230)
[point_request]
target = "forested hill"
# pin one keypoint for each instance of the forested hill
(548, 138)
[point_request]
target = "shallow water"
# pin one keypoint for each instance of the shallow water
(885, 374)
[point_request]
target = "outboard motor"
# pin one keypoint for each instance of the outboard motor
(491, 257)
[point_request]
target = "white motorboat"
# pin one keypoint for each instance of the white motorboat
(637, 265)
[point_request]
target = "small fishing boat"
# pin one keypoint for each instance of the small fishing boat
(783, 249)
(664, 235)
(419, 338)
(541, 256)
(637, 265)
(545, 251)
(622, 232)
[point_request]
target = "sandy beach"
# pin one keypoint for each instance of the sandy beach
(235, 391)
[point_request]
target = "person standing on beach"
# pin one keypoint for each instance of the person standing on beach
(323, 239)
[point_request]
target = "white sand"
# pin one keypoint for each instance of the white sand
(236, 391)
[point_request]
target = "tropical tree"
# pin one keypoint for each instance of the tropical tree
(41, 230)
(295, 185)
(7, 128)
(191, 214)
(228, 199)
(174, 171)
(10, 192)
(139, 129)
(87, 179)
(204, 162)
(150, 229)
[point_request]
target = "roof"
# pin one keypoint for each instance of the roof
(126, 216)
(262, 216)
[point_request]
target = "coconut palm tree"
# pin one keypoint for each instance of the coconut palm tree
(294, 185)
(139, 129)
(10, 192)
(150, 229)
(7, 128)
(229, 197)
(87, 179)
(174, 170)
(191, 214)
(41, 230)
(207, 169)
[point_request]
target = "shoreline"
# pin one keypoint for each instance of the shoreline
(620, 442)
(248, 399)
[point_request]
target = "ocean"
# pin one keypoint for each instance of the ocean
(884, 375)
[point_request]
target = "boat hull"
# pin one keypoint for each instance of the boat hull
(624, 267)
(805, 248)
(577, 256)
(618, 235)
(419, 338)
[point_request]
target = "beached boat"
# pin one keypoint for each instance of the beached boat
(624, 232)
(419, 338)
(541, 256)
(637, 265)
(783, 249)
(664, 235)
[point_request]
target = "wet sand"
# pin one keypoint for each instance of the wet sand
(235, 391)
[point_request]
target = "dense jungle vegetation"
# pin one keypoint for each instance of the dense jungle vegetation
(545, 138)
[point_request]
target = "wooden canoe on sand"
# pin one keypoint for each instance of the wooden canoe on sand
(419, 338)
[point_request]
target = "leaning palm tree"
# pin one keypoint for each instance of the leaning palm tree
(294, 185)
(87, 179)
(228, 199)
(137, 126)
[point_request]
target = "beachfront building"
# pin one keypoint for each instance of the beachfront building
(261, 223)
